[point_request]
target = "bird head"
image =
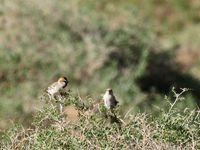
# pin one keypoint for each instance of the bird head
(109, 91)
(63, 79)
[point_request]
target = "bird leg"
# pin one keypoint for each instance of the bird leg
(61, 104)
(61, 108)
(51, 98)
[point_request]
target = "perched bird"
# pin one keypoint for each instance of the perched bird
(109, 99)
(56, 88)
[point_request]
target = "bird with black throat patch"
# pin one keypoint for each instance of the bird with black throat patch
(56, 88)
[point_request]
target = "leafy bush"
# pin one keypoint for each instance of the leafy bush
(96, 128)
(96, 44)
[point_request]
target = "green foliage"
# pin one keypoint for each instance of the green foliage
(173, 129)
(128, 46)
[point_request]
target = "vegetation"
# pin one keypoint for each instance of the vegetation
(96, 128)
(140, 49)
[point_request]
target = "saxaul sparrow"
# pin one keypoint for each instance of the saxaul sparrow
(56, 88)
(109, 99)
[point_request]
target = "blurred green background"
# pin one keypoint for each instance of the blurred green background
(140, 48)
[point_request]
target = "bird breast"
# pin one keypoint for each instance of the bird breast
(107, 96)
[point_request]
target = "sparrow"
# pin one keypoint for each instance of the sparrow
(56, 88)
(109, 99)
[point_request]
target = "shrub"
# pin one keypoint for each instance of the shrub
(96, 128)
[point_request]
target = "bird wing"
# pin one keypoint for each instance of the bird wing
(55, 86)
(114, 100)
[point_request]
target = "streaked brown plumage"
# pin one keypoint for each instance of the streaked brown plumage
(56, 88)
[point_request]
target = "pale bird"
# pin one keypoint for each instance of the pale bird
(109, 99)
(57, 87)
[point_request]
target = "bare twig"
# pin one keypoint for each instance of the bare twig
(177, 97)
